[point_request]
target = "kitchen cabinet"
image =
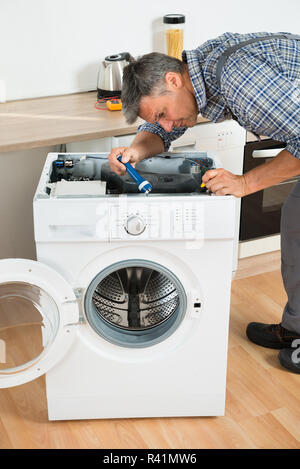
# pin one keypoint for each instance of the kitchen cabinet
(90, 146)
(19, 175)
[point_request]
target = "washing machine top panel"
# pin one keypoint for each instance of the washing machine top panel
(38, 314)
(69, 175)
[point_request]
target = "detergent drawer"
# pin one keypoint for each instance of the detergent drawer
(70, 220)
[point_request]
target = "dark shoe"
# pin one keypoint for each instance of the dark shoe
(288, 358)
(270, 335)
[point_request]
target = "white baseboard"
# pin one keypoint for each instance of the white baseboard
(259, 246)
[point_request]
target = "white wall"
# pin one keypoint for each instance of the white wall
(50, 47)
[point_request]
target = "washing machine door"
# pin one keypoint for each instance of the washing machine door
(38, 318)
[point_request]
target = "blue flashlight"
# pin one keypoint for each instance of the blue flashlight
(143, 185)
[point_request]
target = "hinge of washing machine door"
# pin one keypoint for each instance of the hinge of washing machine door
(78, 295)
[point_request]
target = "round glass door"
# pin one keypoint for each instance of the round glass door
(38, 319)
(135, 303)
(29, 320)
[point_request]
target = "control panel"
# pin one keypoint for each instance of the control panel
(156, 220)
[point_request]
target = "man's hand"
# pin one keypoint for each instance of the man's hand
(129, 154)
(223, 182)
(284, 166)
(144, 145)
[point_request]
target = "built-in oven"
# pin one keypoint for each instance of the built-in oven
(261, 211)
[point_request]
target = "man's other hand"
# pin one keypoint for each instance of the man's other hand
(223, 182)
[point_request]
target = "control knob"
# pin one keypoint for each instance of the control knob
(135, 225)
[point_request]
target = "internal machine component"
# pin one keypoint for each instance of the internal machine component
(167, 173)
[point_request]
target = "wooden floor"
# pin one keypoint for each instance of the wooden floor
(263, 399)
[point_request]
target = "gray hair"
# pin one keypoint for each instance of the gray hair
(145, 77)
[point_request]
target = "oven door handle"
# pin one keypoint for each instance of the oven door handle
(270, 153)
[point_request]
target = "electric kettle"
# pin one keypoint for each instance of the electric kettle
(110, 75)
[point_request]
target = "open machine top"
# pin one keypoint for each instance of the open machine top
(89, 175)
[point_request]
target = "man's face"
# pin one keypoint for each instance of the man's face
(178, 108)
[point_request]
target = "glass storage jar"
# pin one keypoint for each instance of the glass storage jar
(174, 27)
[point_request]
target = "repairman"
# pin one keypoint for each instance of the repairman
(255, 79)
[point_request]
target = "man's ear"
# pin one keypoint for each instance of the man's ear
(173, 81)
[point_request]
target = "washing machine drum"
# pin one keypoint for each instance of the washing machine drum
(136, 298)
(133, 300)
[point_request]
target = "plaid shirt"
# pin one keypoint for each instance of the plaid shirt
(260, 86)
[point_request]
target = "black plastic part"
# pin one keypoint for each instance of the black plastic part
(174, 19)
(108, 94)
(118, 57)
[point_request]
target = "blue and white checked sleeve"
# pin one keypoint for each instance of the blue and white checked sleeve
(266, 101)
(167, 137)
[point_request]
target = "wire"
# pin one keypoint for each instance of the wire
(103, 101)
(202, 161)
(96, 157)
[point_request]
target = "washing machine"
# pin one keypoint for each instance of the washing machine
(126, 309)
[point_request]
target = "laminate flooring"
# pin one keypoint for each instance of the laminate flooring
(262, 405)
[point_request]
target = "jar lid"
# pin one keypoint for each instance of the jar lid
(174, 19)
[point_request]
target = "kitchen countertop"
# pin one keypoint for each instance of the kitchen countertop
(39, 122)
